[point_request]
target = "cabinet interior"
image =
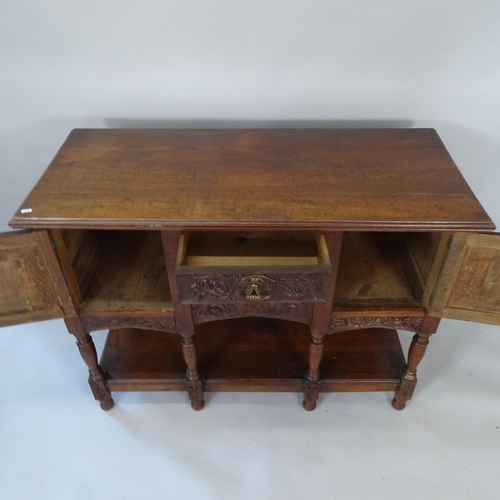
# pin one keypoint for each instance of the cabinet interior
(379, 269)
(119, 270)
(125, 270)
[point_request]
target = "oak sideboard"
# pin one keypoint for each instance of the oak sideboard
(251, 259)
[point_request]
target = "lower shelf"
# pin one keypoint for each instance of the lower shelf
(253, 354)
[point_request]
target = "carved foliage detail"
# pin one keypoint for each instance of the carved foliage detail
(235, 287)
(412, 324)
(405, 391)
(194, 390)
(99, 388)
(311, 391)
(289, 310)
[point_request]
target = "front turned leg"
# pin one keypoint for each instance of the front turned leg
(193, 377)
(97, 377)
(419, 344)
(320, 327)
(312, 383)
(183, 320)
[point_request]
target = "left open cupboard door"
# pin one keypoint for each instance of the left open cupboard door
(32, 287)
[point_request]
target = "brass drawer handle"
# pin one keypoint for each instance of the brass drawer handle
(253, 292)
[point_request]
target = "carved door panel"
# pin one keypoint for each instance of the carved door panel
(31, 284)
(468, 287)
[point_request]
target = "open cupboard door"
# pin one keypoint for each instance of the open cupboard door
(468, 287)
(32, 287)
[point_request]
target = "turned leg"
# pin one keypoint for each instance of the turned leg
(419, 344)
(97, 377)
(321, 323)
(185, 327)
(184, 321)
(193, 378)
(312, 381)
(319, 328)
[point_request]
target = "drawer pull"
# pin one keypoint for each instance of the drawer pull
(253, 292)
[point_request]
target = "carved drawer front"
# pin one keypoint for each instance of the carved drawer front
(252, 267)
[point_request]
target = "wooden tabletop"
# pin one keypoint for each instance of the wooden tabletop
(359, 179)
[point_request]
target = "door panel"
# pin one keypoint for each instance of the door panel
(469, 285)
(27, 282)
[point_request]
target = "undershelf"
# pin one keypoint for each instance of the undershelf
(253, 354)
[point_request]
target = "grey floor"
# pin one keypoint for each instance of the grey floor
(56, 443)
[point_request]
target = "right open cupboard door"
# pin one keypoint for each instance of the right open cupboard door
(468, 287)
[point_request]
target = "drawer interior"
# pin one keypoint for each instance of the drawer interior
(219, 249)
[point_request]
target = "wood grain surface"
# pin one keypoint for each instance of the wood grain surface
(315, 178)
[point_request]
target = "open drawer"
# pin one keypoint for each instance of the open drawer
(256, 266)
